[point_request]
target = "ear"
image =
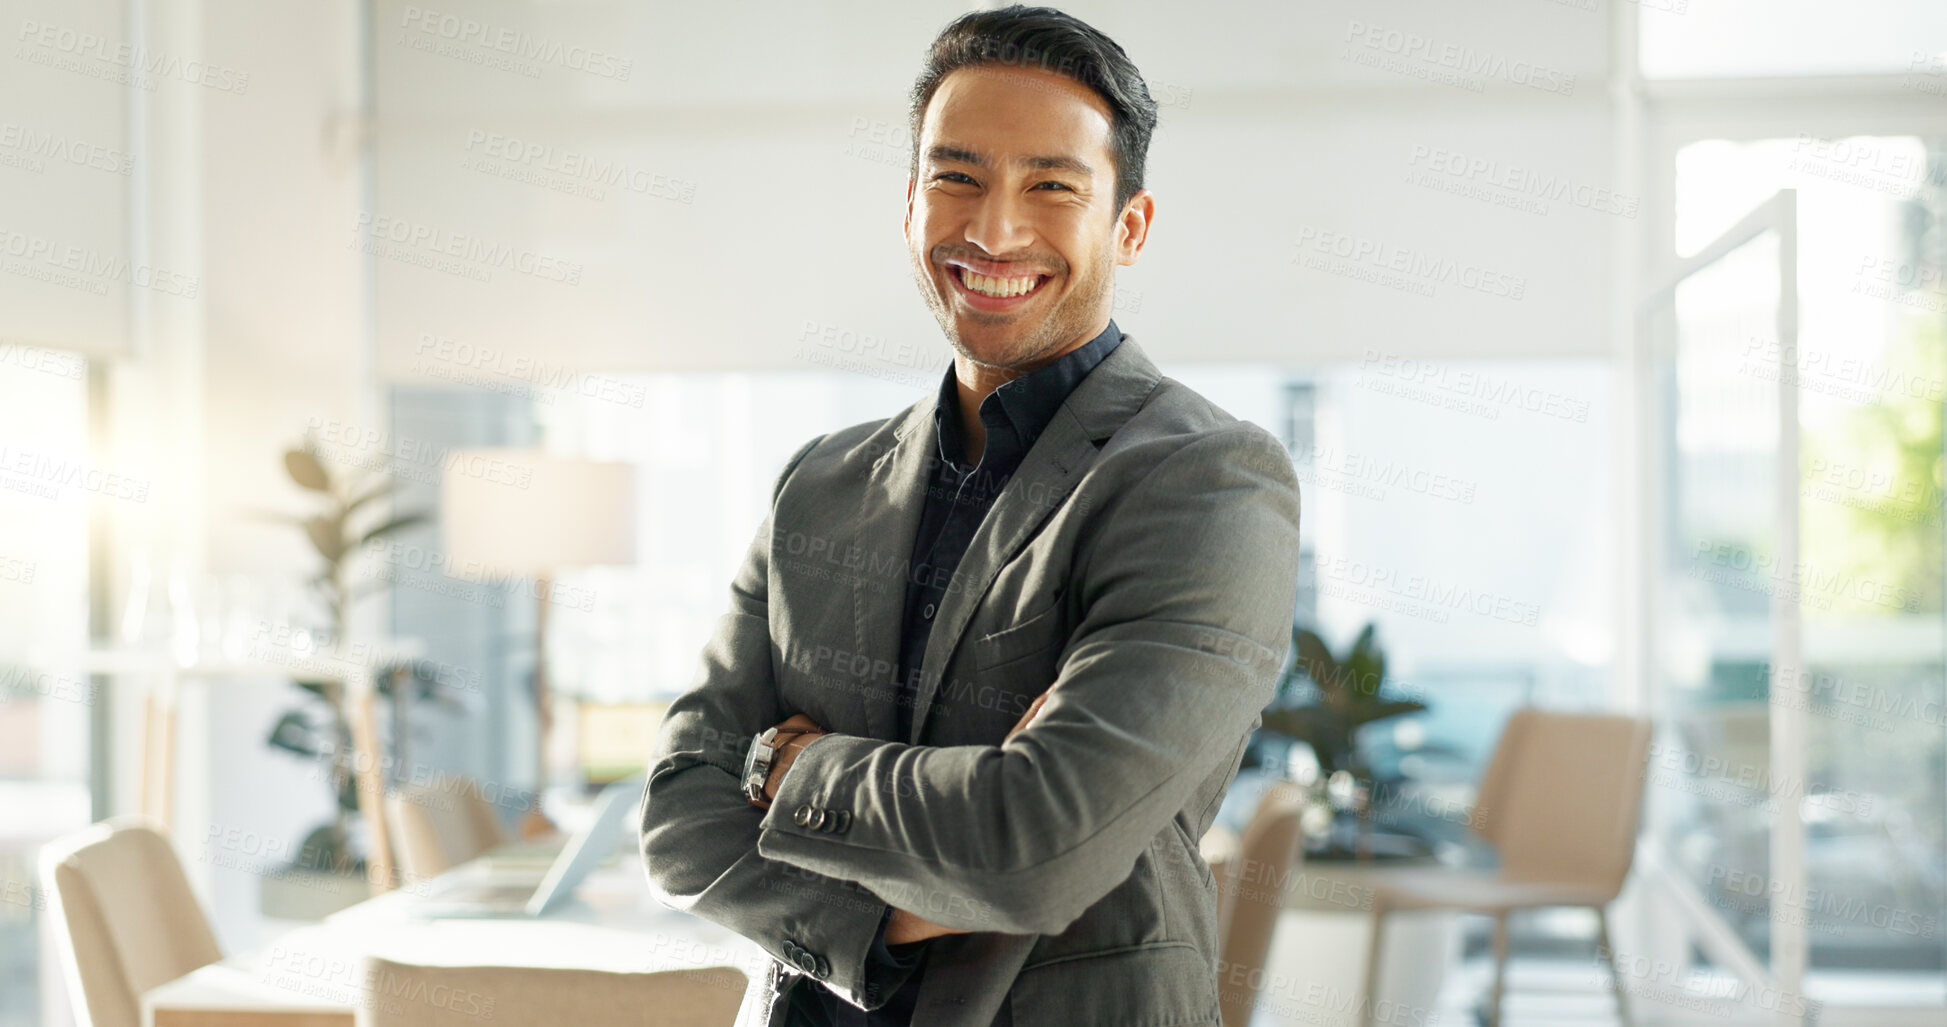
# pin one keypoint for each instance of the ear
(1132, 228)
(906, 227)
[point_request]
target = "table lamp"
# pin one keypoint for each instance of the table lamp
(525, 513)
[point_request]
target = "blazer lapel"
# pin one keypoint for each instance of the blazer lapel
(888, 521)
(1105, 399)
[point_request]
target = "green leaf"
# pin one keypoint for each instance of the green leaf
(395, 524)
(1382, 710)
(294, 733)
(272, 515)
(327, 536)
(384, 488)
(1362, 646)
(303, 467)
(321, 689)
(1317, 658)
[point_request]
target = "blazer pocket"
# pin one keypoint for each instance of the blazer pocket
(1025, 638)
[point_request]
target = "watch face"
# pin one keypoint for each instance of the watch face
(757, 765)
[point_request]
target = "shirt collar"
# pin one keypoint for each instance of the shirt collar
(1016, 413)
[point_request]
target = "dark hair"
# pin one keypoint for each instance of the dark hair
(1054, 41)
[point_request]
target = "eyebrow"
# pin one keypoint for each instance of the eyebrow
(960, 155)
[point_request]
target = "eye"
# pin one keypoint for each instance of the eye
(1058, 185)
(954, 176)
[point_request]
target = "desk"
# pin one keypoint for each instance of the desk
(311, 977)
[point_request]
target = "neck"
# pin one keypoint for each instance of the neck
(975, 382)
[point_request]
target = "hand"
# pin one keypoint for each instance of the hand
(808, 732)
(1033, 709)
(904, 927)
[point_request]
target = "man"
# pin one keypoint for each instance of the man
(1011, 641)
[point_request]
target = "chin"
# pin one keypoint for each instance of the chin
(987, 345)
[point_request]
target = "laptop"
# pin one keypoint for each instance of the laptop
(468, 897)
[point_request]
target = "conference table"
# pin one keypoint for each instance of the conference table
(312, 976)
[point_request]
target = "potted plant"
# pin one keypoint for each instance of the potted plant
(1325, 701)
(344, 524)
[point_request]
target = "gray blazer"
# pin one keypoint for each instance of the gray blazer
(1143, 564)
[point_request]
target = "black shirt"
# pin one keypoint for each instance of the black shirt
(957, 500)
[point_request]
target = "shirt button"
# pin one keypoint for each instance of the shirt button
(928, 612)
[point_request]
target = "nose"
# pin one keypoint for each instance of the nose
(999, 224)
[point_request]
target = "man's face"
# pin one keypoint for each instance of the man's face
(1011, 223)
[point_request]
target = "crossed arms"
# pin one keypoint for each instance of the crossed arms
(1187, 580)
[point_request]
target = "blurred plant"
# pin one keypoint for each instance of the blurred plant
(335, 533)
(1345, 695)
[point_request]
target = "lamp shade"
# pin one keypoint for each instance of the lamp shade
(523, 512)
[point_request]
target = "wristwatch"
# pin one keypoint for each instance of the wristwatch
(759, 760)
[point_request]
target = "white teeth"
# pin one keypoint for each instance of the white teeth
(997, 287)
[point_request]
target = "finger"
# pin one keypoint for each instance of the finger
(1033, 708)
(799, 722)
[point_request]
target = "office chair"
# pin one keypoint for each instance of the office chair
(407, 995)
(1560, 801)
(125, 918)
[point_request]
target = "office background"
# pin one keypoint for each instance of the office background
(1431, 246)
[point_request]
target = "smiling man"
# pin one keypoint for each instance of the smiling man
(990, 663)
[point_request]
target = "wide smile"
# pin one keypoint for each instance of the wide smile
(994, 293)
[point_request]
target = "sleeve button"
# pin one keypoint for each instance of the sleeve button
(802, 815)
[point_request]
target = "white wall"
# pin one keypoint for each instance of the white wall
(782, 138)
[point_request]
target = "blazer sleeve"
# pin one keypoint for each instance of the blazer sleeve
(1189, 578)
(699, 834)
